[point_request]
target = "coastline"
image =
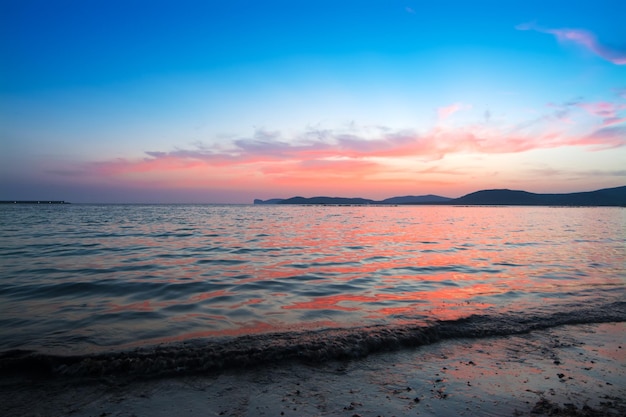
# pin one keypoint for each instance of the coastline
(499, 197)
(572, 370)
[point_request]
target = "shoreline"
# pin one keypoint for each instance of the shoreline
(572, 370)
(196, 356)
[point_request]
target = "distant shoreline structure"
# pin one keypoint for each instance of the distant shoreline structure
(33, 202)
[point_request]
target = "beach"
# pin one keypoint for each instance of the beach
(577, 370)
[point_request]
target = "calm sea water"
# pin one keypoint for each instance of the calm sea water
(79, 279)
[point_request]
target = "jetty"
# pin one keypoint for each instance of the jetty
(33, 202)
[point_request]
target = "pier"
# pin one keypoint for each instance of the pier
(33, 202)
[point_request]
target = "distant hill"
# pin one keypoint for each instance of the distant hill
(605, 197)
(505, 197)
(423, 199)
(327, 200)
(501, 197)
(412, 199)
(270, 201)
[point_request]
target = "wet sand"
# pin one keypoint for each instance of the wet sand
(569, 370)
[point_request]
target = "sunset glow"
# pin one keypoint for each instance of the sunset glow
(224, 102)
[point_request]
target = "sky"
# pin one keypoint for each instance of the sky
(225, 101)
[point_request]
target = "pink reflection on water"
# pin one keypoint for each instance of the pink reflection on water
(418, 302)
(395, 263)
(261, 269)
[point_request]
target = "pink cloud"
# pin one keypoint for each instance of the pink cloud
(609, 112)
(584, 38)
(602, 108)
(605, 138)
(609, 121)
(349, 155)
(345, 168)
(353, 157)
(447, 111)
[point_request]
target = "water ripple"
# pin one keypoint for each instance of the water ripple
(80, 277)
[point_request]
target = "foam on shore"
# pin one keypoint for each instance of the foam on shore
(575, 370)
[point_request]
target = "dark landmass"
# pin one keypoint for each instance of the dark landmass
(270, 201)
(327, 200)
(605, 197)
(410, 199)
(422, 199)
(504, 197)
(33, 202)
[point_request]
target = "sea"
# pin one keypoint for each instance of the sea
(163, 289)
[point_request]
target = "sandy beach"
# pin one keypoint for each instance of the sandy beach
(569, 370)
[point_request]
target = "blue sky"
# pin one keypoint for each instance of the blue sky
(226, 101)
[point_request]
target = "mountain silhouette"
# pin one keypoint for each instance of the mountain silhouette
(327, 200)
(421, 199)
(424, 199)
(605, 197)
(505, 197)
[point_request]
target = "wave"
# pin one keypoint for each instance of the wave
(204, 356)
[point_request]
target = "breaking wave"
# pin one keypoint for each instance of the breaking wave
(205, 356)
